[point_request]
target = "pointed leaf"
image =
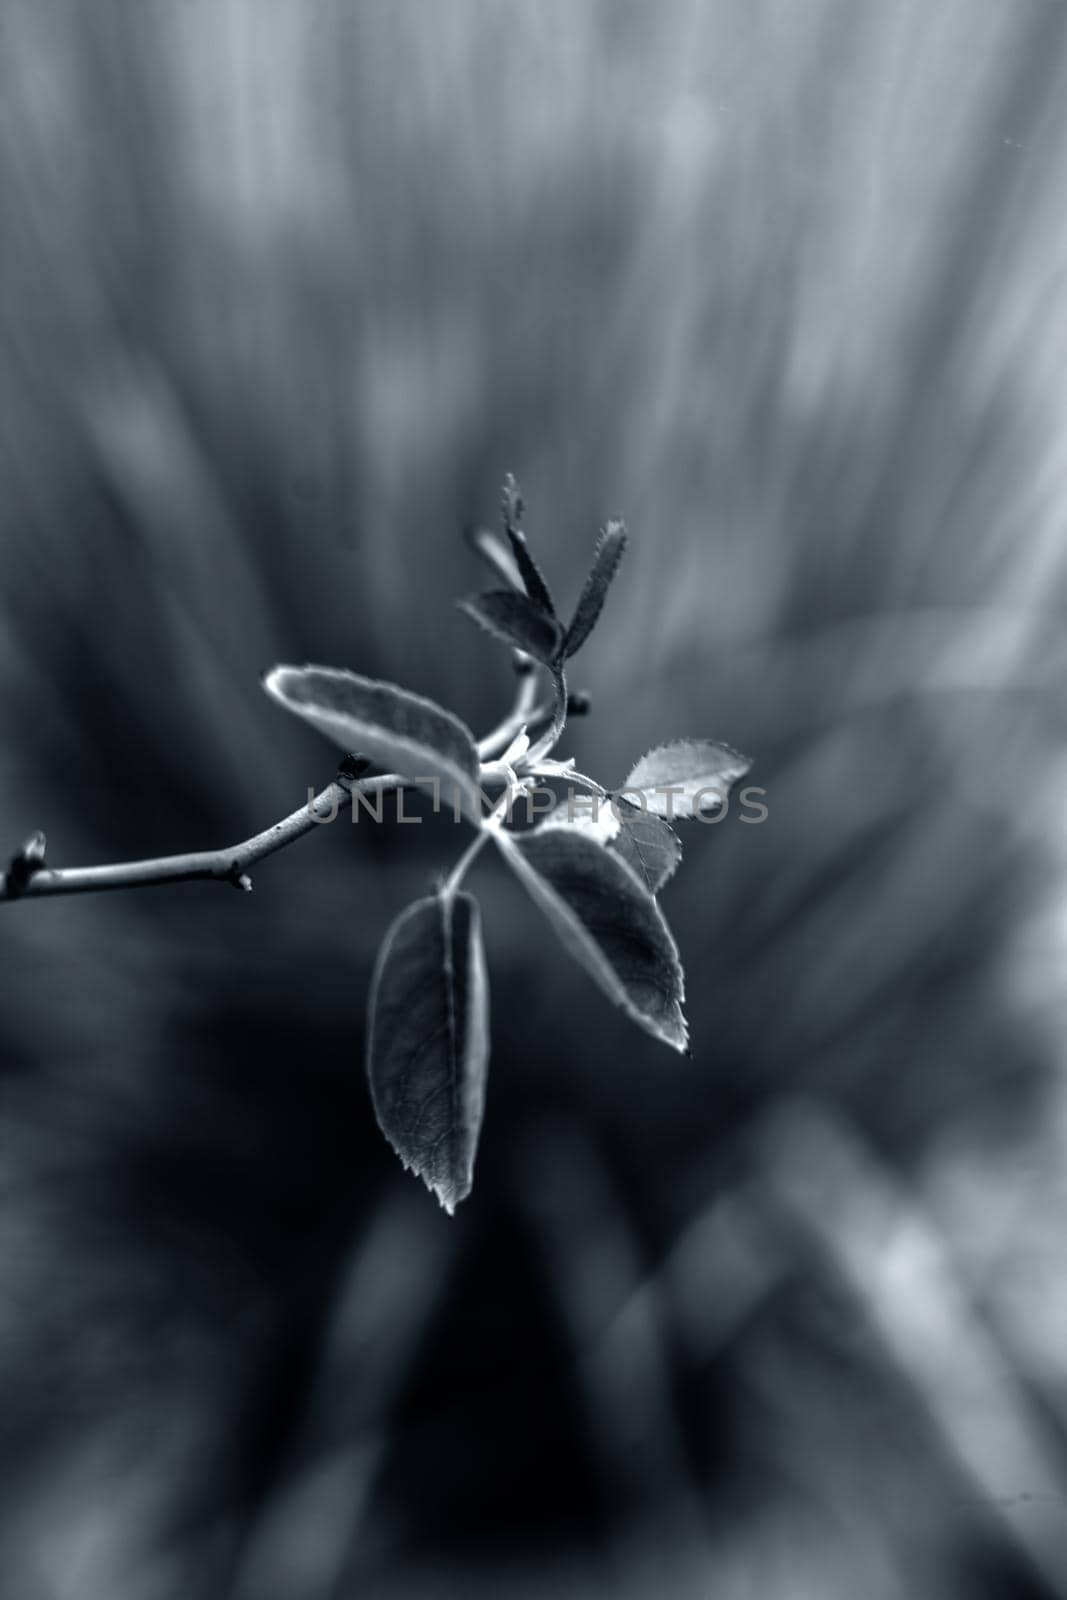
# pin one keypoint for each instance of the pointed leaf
(395, 729)
(536, 587)
(610, 546)
(516, 620)
(700, 770)
(496, 554)
(647, 845)
(607, 921)
(533, 581)
(428, 1041)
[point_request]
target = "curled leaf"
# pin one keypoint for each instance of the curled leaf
(650, 848)
(610, 546)
(395, 729)
(698, 771)
(428, 1041)
(608, 922)
(516, 620)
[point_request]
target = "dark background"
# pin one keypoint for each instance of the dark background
(286, 289)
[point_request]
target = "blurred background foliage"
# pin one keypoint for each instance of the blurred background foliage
(286, 289)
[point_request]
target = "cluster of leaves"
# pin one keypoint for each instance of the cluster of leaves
(596, 878)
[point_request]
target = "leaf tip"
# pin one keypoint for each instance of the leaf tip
(676, 1034)
(278, 682)
(511, 501)
(609, 550)
(449, 1197)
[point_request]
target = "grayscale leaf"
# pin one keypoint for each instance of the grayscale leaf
(395, 729)
(533, 580)
(701, 772)
(496, 554)
(428, 1041)
(588, 814)
(647, 844)
(607, 921)
(610, 546)
(517, 621)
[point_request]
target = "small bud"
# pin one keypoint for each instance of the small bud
(32, 851)
(352, 767)
(579, 703)
(24, 863)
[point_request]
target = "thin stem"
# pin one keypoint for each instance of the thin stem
(489, 827)
(572, 775)
(551, 737)
(459, 871)
(26, 879)
(524, 711)
(228, 865)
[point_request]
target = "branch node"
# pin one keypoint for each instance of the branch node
(352, 767)
(24, 863)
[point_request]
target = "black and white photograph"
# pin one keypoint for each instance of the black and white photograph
(533, 800)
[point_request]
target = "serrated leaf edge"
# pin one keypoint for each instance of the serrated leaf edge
(628, 786)
(675, 863)
(601, 969)
(479, 989)
(468, 605)
(590, 602)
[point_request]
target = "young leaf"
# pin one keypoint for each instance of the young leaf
(700, 772)
(533, 582)
(495, 553)
(396, 730)
(607, 921)
(648, 846)
(516, 620)
(610, 546)
(428, 1041)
